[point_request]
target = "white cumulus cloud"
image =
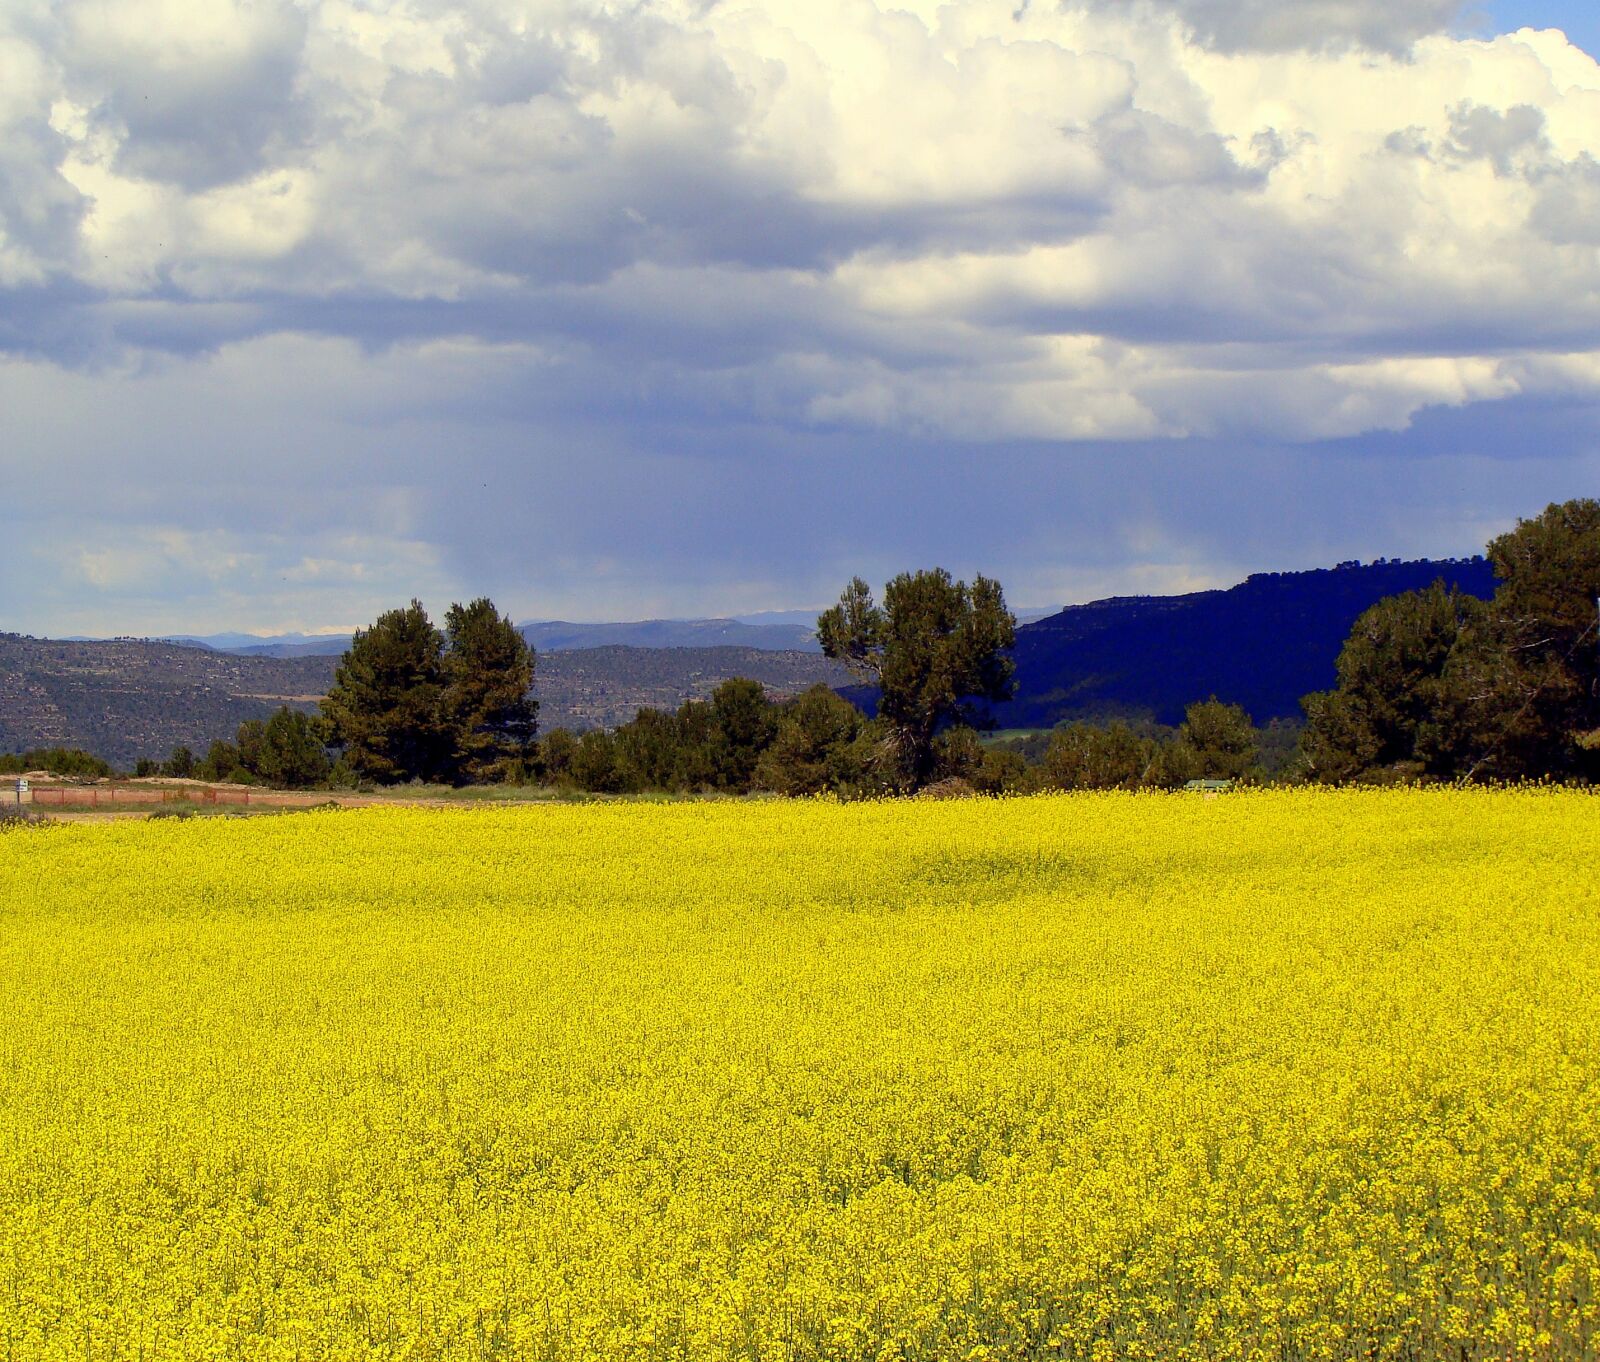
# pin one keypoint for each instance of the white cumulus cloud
(862, 175)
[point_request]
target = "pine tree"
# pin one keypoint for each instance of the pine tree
(934, 649)
(384, 709)
(292, 756)
(488, 670)
(1535, 679)
(1216, 741)
(743, 724)
(810, 751)
(1387, 713)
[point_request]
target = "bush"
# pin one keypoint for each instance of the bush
(1215, 742)
(556, 750)
(59, 761)
(812, 750)
(343, 776)
(221, 759)
(1085, 756)
(595, 765)
(291, 755)
(646, 752)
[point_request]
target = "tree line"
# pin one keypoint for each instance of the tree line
(287, 751)
(1432, 685)
(413, 702)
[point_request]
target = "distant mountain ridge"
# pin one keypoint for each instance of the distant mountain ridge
(780, 631)
(251, 644)
(551, 636)
(562, 636)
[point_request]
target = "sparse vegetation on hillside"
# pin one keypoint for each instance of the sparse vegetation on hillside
(133, 700)
(128, 699)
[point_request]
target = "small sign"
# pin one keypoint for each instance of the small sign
(22, 786)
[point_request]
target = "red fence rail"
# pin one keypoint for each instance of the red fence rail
(97, 796)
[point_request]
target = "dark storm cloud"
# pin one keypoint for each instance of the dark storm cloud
(1277, 26)
(198, 107)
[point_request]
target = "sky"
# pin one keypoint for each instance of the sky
(620, 309)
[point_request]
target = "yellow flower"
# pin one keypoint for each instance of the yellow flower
(1303, 1074)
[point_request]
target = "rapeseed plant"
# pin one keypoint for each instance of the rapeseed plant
(1280, 1075)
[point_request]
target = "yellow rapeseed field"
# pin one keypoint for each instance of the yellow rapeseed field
(1276, 1075)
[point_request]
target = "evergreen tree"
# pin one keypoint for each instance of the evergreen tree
(1439, 684)
(647, 751)
(249, 737)
(221, 761)
(1391, 708)
(1214, 742)
(1084, 756)
(384, 709)
(697, 764)
(1533, 678)
(595, 765)
(743, 724)
(935, 649)
(292, 756)
(1003, 770)
(812, 747)
(555, 752)
(488, 671)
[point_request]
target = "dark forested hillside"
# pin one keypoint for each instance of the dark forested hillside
(1262, 644)
(123, 700)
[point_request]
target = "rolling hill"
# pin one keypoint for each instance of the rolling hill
(127, 699)
(1262, 644)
